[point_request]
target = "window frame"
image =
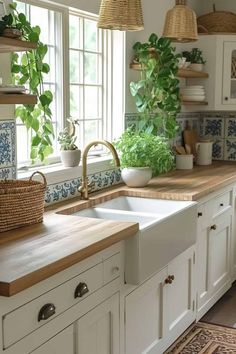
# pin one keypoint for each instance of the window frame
(110, 129)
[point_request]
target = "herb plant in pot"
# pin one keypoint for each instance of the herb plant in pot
(70, 154)
(196, 59)
(143, 155)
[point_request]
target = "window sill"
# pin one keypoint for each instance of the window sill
(58, 173)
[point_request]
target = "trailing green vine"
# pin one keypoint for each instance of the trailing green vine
(29, 69)
(156, 94)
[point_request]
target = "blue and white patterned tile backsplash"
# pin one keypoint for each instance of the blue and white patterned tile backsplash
(218, 126)
(7, 149)
(69, 189)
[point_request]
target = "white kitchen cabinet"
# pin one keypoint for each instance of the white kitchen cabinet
(74, 311)
(159, 310)
(219, 50)
(214, 256)
(62, 343)
(98, 330)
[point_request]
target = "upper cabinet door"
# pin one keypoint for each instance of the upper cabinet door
(98, 330)
(229, 74)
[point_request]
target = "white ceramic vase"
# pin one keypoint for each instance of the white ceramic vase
(70, 158)
(136, 176)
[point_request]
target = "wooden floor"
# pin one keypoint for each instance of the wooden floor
(224, 311)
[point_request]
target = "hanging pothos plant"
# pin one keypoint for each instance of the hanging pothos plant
(157, 92)
(28, 69)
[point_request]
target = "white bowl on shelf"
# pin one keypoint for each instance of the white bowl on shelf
(195, 98)
(193, 87)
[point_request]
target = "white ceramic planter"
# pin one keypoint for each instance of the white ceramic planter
(196, 66)
(70, 158)
(136, 176)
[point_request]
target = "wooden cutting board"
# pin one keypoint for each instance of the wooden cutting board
(191, 138)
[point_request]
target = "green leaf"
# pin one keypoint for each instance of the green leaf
(45, 68)
(45, 101)
(15, 68)
(22, 18)
(33, 37)
(33, 153)
(36, 140)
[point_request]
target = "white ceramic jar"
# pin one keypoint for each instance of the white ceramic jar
(204, 152)
(184, 162)
(136, 176)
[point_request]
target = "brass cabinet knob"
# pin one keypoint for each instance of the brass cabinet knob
(169, 279)
(213, 227)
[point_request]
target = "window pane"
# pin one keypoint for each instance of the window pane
(40, 17)
(76, 67)
(50, 23)
(92, 131)
(91, 100)
(90, 35)
(91, 68)
(74, 31)
(76, 107)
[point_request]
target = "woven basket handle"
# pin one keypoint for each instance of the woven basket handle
(42, 175)
(202, 29)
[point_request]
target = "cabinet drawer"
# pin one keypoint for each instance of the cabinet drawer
(112, 268)
(221, 203)
(25, 319)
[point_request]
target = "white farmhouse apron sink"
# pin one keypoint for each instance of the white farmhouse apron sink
(166, 229)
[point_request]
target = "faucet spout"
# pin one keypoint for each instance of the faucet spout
(84, 188)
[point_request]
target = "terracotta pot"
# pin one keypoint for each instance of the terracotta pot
(70, 158)
(136, 176)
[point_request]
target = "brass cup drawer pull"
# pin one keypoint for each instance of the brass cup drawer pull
(46, 312)
(81, 290)
(213, 227)
(169, 279)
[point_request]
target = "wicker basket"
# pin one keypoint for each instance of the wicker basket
(21, 202)
(217, 21)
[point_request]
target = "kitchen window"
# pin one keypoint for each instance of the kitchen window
(83, 78)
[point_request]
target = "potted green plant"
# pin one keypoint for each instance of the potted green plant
(156, 94)
(29, 69)
(70, 154)
(143, 155)
(195, 57)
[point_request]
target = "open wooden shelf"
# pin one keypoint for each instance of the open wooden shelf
(187, 73)
(17, 98)
(15, 45)
(194, 103)
(183, 73)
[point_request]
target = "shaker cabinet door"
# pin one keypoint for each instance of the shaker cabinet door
(62, 343)
(98, 330)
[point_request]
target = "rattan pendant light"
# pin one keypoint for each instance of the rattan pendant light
(181, 23)
(123, 15)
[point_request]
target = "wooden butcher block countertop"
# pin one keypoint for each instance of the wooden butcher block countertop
(31, 254)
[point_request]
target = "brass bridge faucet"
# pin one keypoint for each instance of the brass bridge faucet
(84, 188)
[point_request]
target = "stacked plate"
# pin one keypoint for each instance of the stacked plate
(193, 93)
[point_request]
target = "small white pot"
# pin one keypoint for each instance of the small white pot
(136, 176)
(70, 158)
(196, 66)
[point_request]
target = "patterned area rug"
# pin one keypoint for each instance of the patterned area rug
(204, 338)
